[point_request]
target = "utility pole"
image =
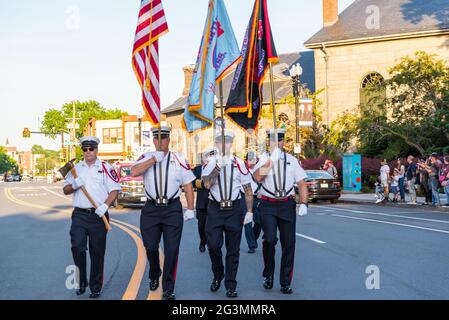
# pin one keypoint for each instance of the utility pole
(72, 147)
(73, 150)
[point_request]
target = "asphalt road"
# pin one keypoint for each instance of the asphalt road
(338, 247)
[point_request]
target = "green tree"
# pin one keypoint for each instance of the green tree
(49, 161)
(412, 119)
(7, 164)
(57, 120)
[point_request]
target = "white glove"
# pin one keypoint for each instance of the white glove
(101, 210)
(78, 183)
(248, 218)
(275, 155)
(301, 209)
(158, 156)
(189, 214)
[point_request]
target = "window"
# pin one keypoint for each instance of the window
(373, 94)
(112, 135)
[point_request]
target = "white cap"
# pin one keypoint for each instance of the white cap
(165, 130)
(89, 141)
(280, 133)
(210, 151)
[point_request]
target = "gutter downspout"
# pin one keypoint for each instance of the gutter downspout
(326, 60)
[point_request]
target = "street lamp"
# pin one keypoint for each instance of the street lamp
(139, 118)
(295, 74)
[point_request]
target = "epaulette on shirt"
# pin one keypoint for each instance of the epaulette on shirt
(112, 174)
(240, 169)
(185, 165)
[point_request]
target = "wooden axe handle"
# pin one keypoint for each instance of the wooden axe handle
(105, 220)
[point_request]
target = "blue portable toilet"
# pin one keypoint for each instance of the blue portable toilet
(352, 172)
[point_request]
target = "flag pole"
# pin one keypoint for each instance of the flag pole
(223, 149)
(160, 163)
(273, 103)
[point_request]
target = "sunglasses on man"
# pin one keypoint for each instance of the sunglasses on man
(88, 149)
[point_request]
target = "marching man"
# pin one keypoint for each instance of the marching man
(224, 213)
(163, 212)
(279, 172)
(101, 182)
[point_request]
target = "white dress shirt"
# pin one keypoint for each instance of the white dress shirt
(293, 174)
(241, 177)
(179, 174)
(98, 183)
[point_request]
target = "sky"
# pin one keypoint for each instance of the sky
(56, 51)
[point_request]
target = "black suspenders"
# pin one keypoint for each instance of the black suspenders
(231, 184)
(166, 180)
(274, 179)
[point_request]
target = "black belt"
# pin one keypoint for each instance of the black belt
(218, 202)
(169, 201)
(89, 210)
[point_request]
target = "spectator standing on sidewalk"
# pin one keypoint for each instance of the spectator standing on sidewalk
(433, 171)
(330, 168)
(424, 180)
(394, 184)
(445, 178)
(401, 174)
(411, 173)
(384, 177)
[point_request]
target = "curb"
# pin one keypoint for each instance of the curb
(394, 205)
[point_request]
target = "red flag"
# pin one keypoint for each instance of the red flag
(258, 50)
(150, 26)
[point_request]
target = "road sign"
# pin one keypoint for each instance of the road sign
(69, 143)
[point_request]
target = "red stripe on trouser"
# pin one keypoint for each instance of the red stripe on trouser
(293, 268)
(175, 269)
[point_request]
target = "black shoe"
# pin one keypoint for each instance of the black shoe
(268, 283)
(231, 293)
(251, 250)
(80, 291)
(95, 295)
(286, 290)
(168, 295)
(154, 284)
(215, 285)
(202, 248)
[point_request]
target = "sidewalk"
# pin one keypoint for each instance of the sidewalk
(368, 198)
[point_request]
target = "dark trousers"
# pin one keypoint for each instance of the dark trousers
(427, 193)
(230, 224)
(252, 230)
(88, 227)
(201, 215)
(279, 216)
(401, 188)
(167, 222)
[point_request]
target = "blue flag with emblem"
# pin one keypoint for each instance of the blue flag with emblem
(218, 53)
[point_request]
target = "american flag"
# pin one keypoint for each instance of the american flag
(150, 26)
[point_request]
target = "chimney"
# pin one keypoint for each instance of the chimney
(330, 12)
(188, 75)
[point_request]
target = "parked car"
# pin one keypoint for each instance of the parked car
(17, 178)
(322, 186)
(133, 192)
(9, 178)
(27, 178)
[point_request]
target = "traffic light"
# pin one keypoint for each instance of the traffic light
(26, 133)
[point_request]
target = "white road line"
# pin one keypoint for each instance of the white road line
(310, 238)
(57, 194)
(392, 215)
(392, 223)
